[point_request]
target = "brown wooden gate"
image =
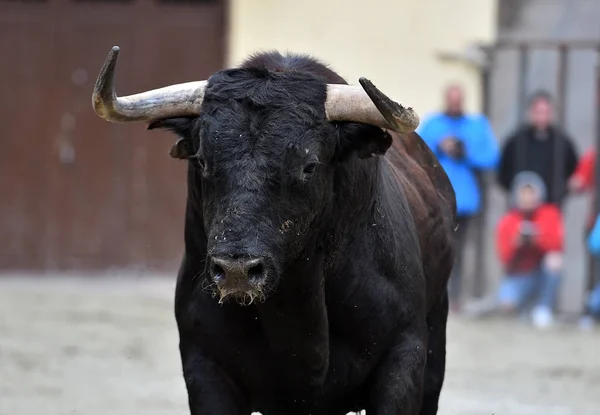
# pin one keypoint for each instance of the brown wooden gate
(77, 192)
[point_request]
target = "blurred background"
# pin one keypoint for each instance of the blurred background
(91, 213)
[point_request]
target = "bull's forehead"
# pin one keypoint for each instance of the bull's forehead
(262, 122)
(250, 151)
(260, 137)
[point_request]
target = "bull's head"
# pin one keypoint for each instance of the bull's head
(263, 151)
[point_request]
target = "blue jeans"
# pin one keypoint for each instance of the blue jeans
(593, 302)
(539, 285)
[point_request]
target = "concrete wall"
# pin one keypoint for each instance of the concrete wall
(395, 43)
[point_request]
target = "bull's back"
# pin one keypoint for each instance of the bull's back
(433, 205)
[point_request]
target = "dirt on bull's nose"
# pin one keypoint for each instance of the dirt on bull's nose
(109, 345)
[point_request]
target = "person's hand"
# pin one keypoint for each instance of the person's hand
(524, 238)
(520, 240)
(449, 146)
(528, 228)
(575, 184)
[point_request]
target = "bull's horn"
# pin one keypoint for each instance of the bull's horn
(171, 101)
(368, 105)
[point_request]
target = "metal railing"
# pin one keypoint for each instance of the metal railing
(525, 47)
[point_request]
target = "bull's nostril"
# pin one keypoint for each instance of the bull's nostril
(256, 272)
(218, 273)
(236, 270)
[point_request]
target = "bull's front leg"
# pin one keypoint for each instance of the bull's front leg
(210, 389)
(399, 379)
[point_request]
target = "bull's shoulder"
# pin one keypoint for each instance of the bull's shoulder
(411, 155)
(433, 205)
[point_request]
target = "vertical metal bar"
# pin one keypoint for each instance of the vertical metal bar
(562, 82)
(521, 157)
(558, 182)
(486, 71)
(480, 281)
(523, 67)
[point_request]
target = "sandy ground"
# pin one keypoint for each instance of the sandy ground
(108, 346)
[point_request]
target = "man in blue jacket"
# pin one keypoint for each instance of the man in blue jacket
(463, 144)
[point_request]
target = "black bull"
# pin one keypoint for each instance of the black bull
(314, 274)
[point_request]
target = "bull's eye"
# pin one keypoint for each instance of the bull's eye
(198, 161)
(309, 168)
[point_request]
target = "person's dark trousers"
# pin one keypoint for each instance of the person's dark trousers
(455, 283)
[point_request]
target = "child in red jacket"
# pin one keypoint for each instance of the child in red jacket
(529, 241)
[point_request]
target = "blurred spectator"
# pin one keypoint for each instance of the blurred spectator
(531, 147)
(529, 241)
(592, 307)
(463, 143)
(583, 181)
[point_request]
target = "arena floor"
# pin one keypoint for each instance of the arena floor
(108, 346)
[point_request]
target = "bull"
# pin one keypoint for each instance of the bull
(317, 236)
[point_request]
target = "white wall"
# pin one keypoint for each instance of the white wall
(392, 42)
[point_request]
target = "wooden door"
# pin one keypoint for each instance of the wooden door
(24, 77)
(82, 193)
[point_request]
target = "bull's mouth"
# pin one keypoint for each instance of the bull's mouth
(244, 296)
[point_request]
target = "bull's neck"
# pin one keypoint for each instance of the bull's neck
(356, 185)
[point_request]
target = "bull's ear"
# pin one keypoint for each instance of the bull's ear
(364, 140)
(181, 126)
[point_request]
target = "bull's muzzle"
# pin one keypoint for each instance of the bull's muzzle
(241, 278)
